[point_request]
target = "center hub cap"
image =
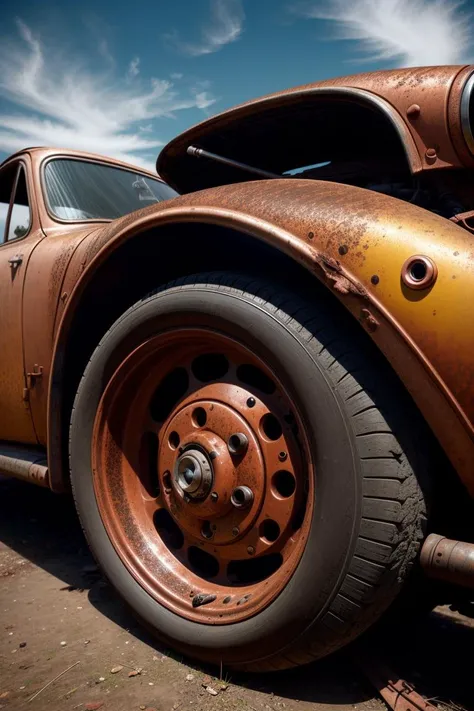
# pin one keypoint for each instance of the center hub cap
(193, 474)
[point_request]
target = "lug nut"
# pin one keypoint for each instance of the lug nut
(238, 443)
(242, 497)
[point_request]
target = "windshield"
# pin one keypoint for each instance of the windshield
(82, 190)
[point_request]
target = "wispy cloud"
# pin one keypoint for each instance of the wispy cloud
(225, 26)
(133, 68)
(405, 32)
(59, 102)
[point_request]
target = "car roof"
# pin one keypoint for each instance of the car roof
(43, 152)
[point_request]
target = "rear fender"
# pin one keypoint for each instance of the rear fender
(356, 242)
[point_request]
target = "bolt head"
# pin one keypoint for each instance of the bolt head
(235, 531)
(214, 496)
(413, 111)
(282, 456)
(251, 402)
(251, 550)
(238, 443)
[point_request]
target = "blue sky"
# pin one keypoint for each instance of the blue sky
(123, 77)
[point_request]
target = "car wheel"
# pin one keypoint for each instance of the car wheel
(247, 470)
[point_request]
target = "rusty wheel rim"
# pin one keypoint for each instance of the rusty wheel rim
(202, 475)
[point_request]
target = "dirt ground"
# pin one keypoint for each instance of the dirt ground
(57, 614)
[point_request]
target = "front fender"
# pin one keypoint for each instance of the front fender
(356, 242)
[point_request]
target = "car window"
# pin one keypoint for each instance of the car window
(7, 182)
(20, 215)
(84, 190)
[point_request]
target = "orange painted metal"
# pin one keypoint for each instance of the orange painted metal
(138, 486)
(397, 693)
(432, 135)
(353, 240)
(346, 236)
(16, 424)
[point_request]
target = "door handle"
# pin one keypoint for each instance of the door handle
(15, 261)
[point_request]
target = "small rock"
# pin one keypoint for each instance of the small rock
(22, 645)
(101, 679)
(63, 644)
(22, 687)
(211, 691)
(223, 687)
(135, 672)
(116, 670)
(189, 677)
(87, 641)
(93, 705)
(142, 708)
(150, 683)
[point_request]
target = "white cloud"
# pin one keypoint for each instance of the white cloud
(407, 32)
(60, 102)
(133, 68)
(225, 26)
(176, 75)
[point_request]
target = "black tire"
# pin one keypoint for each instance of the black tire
(370, 510)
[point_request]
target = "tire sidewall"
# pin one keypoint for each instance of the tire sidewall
(335, 524)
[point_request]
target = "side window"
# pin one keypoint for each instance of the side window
(20, 217)
(7, 183)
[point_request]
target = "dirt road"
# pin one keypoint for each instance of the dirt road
(57, 613)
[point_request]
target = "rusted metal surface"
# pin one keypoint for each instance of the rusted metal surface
(27, 464)
(419, 272)
(422, 333)
(431, 132)
(397, 693)
(355, 241)
(445, 559)
(16, 423)
(206, 472)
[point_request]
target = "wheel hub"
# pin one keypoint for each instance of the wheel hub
(208, 497)
(193, 475)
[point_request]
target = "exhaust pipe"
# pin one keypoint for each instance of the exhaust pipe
(452, 561)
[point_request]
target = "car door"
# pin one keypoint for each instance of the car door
(20, 232)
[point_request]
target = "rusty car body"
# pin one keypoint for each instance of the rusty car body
(371, 206)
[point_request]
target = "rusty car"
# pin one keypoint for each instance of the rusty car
(254, 369)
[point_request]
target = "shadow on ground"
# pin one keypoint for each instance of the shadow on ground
(433, 652)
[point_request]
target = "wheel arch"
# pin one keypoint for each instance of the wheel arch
(299, 248)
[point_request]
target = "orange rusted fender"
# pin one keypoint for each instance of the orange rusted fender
(365, 247)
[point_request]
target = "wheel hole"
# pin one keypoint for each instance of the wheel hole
(284, 483)
(174, 440)
(253, 376)
(247, 572)
(168, 529)
(206, 530)
(270, 427)
(167, 480)
(199, 417)
(418, 271)
(171, 389)
(149, 464)
(270, 530)
(210, 366)
(203, 563)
